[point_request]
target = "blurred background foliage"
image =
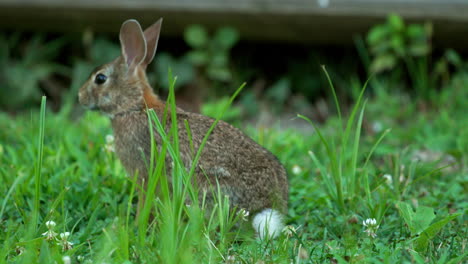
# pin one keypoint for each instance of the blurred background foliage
(210, 65)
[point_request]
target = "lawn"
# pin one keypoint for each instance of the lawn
(377, 171)
(384, 159)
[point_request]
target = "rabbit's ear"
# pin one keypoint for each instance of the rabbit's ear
(152, 37)
(133, 43)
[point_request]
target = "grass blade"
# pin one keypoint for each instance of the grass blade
(353, 179)
(335, 98)
(10, 191)
(375, 146)
(38, 166)
(333, 164)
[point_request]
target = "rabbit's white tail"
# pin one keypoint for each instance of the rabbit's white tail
(268, 223)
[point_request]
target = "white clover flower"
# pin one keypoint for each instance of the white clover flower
(109, 139)
(388, 179)
(65, 235)
(369, 222)
(50, 234)
(109, 147)
(50, 224)
(243, 214)
(296, 169)
(231, 259)
(377, 127)
(371, 227)
(66, 260)
(289, 230)
(402, 174)
(80, 258)
(66, 245)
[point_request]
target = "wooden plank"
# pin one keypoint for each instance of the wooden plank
(300, 21)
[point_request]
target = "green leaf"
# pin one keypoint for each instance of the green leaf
(377, 34)
(197, 57)
(219, 59)
(196, 36)
(453, 57)
(422, 219)
(419, 49)
(396, 23)
(44, 255)
(417, 221)
(381, 48)
(383, 62)
(420, 244)
(415, 31)
(219, 73)
(398, 44)
(226, 37)
(406, 212)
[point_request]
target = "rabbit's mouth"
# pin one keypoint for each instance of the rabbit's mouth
(89, 106)
(85, 101)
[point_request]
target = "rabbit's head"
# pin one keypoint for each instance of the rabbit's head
(121, 85)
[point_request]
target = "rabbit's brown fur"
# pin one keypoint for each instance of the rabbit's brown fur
(249, 174)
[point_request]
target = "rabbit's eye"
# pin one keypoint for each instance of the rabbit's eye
(100, 79)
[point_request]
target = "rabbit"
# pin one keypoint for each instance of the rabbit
(251, 176)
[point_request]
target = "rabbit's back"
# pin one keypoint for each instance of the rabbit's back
(249, 174)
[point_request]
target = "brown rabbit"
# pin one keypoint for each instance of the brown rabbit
(247, 173)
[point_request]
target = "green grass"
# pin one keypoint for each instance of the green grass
(58, 169)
